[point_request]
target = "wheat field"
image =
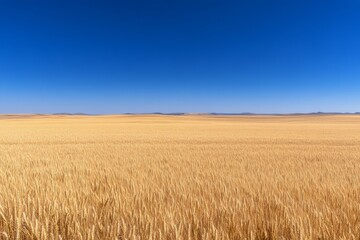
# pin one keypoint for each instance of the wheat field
(180, 177)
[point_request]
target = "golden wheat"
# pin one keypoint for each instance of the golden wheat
(179, 177)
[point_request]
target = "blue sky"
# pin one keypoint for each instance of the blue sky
(179, 56)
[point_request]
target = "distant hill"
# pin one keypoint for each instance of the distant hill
(76, 114)
(181, 114)
(249, 113)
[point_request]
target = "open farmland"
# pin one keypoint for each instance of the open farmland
(180, 177)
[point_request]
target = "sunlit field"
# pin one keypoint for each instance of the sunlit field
(180, 177)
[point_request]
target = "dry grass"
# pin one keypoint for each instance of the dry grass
(180, 177)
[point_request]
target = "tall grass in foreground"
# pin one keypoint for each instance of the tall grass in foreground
(138, 177)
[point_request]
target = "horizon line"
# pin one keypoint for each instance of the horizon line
(182, 113)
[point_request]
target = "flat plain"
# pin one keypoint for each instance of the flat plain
(180, 177)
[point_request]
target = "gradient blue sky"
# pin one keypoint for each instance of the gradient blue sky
(179, 56)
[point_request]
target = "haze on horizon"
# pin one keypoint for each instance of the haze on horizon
(179, 56)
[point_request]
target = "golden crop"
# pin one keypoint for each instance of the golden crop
(180, 177)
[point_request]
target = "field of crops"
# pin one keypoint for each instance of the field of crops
(180, 177)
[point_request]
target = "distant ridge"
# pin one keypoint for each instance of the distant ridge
(210, 113)
(236, 114)
(249, 113)
(186, 114)
(76, 114)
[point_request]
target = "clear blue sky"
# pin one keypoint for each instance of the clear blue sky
(179, 56)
